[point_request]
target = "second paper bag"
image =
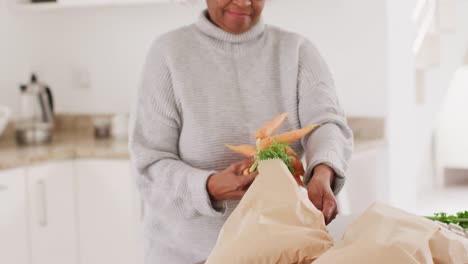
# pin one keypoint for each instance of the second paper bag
(387, 235)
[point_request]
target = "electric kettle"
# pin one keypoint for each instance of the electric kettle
(35, 123)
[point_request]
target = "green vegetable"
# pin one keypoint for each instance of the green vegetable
(276, 150)
(460, 218)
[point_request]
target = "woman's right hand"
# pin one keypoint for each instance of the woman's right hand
(231, 184)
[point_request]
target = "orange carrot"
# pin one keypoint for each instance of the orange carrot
(246, 172)
(297, 166)
(291, 152)
(266, 142)
(271, 127)
(246, 150)
(298, 180)
(287, 137)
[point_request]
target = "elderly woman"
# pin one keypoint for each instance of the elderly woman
(215, 82)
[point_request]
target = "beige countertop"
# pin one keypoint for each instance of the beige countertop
(74, 139)
(63, 146)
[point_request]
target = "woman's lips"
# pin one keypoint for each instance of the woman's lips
(237, 15)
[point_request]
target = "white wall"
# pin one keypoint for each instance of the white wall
(17, 40)
(351, 35)
(438, 80)
(3, 47)
(452, 121)
(110, 44)
(410, 126)
(401, 103)
(453, 124)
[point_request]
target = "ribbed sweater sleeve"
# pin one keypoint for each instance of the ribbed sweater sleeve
(162, 177)
(331, 143)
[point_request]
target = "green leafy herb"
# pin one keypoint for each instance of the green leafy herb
(276, 150)
(460, 218)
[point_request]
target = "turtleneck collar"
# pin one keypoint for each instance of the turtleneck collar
(207, 27)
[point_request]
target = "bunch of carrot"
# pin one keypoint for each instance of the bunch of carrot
(265, 138)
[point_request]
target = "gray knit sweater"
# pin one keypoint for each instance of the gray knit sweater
(203, 87)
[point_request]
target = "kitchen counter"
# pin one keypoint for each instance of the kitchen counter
(74, 139)
(63, 146)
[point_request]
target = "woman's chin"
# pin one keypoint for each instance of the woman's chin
(238, 27)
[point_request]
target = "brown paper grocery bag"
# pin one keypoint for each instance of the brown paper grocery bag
(274, 223)
(387, 235)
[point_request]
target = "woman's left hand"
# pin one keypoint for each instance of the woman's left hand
(321, 193)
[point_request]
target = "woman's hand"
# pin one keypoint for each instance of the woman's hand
(321, 193)
(230, 184)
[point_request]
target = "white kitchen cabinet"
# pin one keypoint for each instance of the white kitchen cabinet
(13, 217)
(107, 216)
(366, 181)
(52, 211)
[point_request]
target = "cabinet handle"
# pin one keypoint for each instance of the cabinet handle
(42, 202)
(3, 188)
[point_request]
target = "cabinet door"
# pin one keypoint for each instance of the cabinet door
(364, 180)
(108, 217)
(52, 219)
(13, 234)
